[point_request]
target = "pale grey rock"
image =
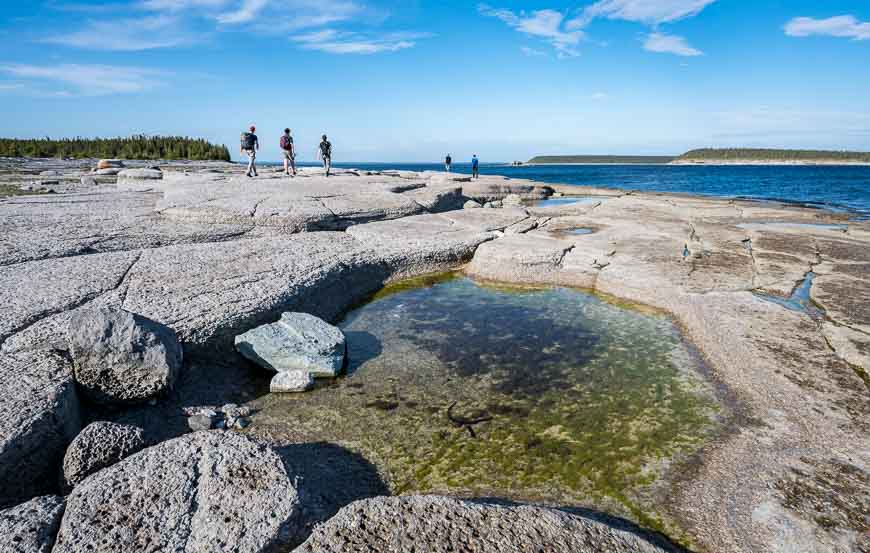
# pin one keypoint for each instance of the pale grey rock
(108, 172)
(139, 180)
(49, 173)
(492, 188)
(88, 181)
(512, 200)
(144, 174)
(99, 445)
(471, 204)
(520, 258)
(110, 164)
(203, 492)
(31, 526)
(493, 205)
(122, 357)
(203, 421)
(39, 415)
(440, 525)
(298, 341)
(289, 382)
(436, 199)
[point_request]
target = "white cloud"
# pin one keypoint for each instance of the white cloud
(651, 12)
(88, 80)
(598, 96)
(669, 44)
(544, 24)
(179, 5)
(531, 51)
(247, 11)
(129, 34)
(846, 26)
(341, 42)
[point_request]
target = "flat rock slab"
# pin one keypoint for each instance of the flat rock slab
(207, 491)
(298, 341)
(99, 445)
(31, 526)
(39, 416)
(441, 525)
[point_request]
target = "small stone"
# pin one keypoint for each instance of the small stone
(471, 204)
(201, 422)
(288, 382)
(242, 423)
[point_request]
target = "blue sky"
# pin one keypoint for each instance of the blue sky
(393, 80)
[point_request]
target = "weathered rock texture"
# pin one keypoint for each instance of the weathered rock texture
(208, 491)
(39, 415)
(122, 357)
(298, 341)
(439, 525)
(99, 445)
(31, 526)
(286, 382)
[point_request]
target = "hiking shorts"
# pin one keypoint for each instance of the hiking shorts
(288, 155)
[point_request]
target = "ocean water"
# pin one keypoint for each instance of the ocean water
(845, 188)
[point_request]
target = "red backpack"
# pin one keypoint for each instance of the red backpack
(285, 142)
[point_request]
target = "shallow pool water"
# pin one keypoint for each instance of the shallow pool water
(552, 395)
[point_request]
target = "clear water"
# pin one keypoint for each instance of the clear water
(550, 395)
(837, 187)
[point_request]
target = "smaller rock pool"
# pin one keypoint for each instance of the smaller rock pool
(552, 395)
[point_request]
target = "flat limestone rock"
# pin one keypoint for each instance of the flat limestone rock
(298, 341)
(203, 492)
(439, 525)
(99, 445)
(123, 357)
(39, 415)
(32, 526)
(521, 258)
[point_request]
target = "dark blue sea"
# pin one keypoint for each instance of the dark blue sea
(842, 188)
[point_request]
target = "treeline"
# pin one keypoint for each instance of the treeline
(762, 154)
(601, 159)
(134, 147)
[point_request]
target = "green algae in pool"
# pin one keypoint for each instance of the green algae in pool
(551, 395)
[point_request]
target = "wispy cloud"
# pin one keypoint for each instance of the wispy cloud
(669, 44)
(129, 34)
(340, 42)
(599, 96)
(845, 26)
(548, 25)
(87, 80)
(651, 12)
(531, 51)
(247, 11)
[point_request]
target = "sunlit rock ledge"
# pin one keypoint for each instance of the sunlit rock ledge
(212, 254)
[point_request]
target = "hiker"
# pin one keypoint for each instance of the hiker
(249, 146)
(289, 151)
(448, 161)
(325, 153)
(475, 167)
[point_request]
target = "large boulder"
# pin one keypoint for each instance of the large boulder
(203, 492)
(39, 415)
(121, 357)
(439, 524)
(298, 341)
(100, 445)
(32, 526)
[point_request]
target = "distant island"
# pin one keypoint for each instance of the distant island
(134, 147)
(600, 160)
(761, 156)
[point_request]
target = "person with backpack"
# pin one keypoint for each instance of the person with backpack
(250, 145)
(289, 150)
(448, 161)
(475, 167)
(325, 153)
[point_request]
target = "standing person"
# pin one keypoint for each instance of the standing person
(249, 146)
(289, 150)
(325, 153)
(448, 161)
(475, 167)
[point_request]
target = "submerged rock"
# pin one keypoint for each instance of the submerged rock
(122, 357)
(100, 445)
(439, 524)
(286, 382)
(298, 341)
(39, 415)
(32, 526)
(208, 491)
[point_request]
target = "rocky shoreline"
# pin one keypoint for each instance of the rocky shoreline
(199, 249)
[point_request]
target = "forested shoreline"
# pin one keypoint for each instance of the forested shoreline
(134, 147)
(766, 154)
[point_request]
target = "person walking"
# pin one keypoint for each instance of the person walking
(249, 145)
(325, 154)
(448, 161)
(475, 167)
(286, 144)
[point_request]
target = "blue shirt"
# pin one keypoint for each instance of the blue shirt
(474, 163)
